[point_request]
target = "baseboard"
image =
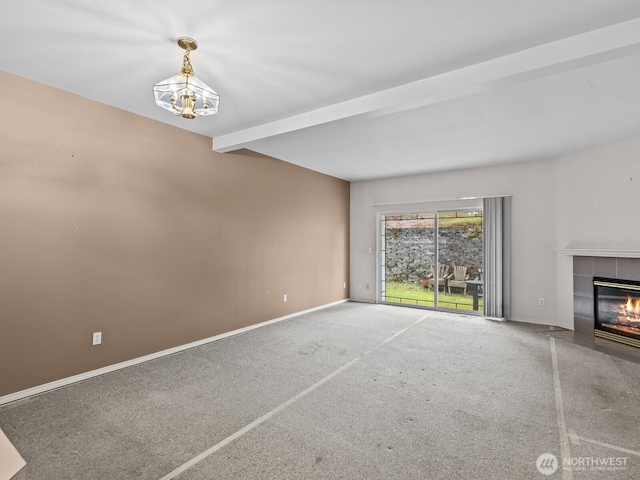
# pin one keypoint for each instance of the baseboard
(63, 382)
(358, 300)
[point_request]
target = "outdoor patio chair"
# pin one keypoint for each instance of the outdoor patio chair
(443, 277)
(459, 279)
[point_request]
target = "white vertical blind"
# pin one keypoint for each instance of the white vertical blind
(496, 227)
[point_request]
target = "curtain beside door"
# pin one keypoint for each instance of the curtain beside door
(496, 227)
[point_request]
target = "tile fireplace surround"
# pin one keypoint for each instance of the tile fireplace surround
(584, 269)
(586, 265)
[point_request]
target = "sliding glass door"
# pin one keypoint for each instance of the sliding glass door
(408, 250)
(432, 259)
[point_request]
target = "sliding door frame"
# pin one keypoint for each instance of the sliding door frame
(381, 251)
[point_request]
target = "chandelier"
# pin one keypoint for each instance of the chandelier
(184, 94)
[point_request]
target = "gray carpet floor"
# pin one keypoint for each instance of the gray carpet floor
(354, 391)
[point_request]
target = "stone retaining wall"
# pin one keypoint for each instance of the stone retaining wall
(409, 252)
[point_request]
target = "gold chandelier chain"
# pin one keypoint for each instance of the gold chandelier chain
(187, 69)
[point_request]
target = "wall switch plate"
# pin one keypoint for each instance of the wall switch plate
(284, 299)
(97, 338)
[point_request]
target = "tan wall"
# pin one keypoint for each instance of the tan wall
(116, 223)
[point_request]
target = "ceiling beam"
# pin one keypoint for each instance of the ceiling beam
(597, 46)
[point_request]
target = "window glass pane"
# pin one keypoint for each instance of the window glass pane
(421, 269)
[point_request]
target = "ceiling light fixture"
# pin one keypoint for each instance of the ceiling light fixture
(184, 94)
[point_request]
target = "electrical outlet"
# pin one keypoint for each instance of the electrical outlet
(344, 285)
(97, 338)
(541, 302)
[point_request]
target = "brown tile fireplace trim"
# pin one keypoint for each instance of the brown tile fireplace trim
(584, 269)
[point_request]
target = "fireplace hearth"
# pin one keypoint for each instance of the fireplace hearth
(617, 310)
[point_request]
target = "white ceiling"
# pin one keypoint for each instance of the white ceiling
(357, 89)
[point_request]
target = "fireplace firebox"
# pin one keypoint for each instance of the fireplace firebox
(617, 310)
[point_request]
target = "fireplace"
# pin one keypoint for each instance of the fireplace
(617, 310)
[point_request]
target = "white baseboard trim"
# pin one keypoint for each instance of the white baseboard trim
(63, 382)
(358, 300)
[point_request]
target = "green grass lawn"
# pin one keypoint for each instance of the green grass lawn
(415, 294)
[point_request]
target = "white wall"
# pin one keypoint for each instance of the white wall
(533, 256)
(597, 198)
(585, 200)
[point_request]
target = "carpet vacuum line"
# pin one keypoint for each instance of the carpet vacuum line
(197, 459)
(565, 449)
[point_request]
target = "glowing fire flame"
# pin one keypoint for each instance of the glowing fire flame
(629, 312)
(629, 306)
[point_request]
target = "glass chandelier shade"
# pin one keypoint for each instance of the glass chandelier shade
(184, 94)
